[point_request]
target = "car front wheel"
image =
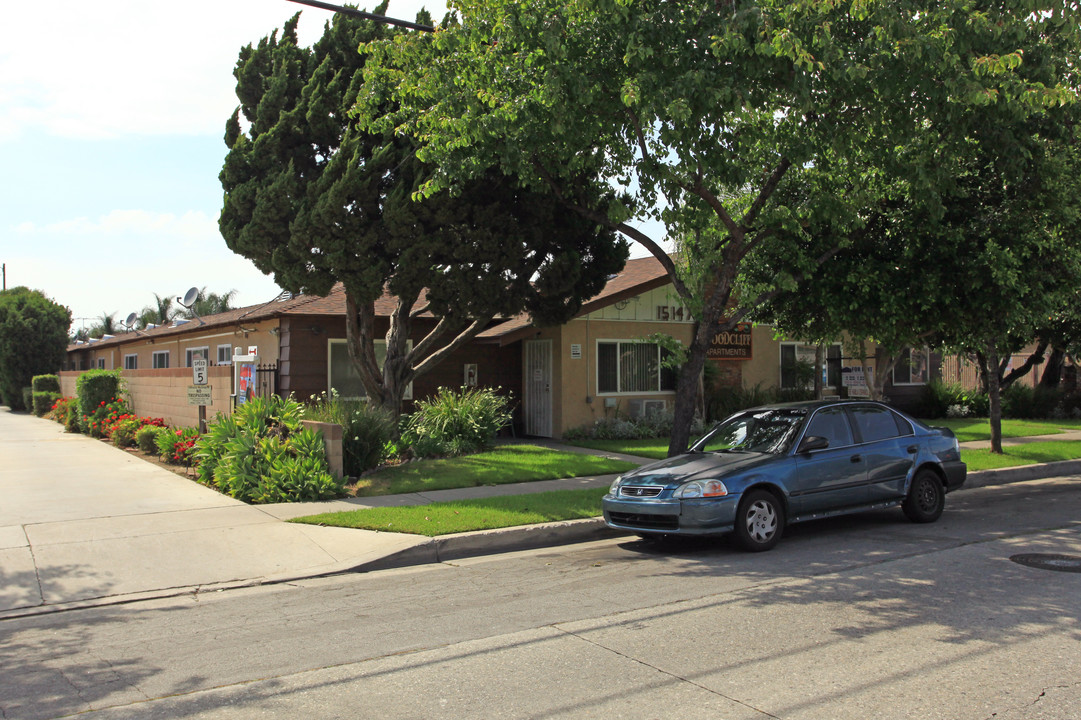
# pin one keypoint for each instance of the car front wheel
(926, 498)
(759, 521)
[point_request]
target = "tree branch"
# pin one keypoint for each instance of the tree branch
(766, 192)
(463, 337)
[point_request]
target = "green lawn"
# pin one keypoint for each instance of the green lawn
(967, 429)
(656, 448)
(505, 464)
(444, 518)
(1027, 454)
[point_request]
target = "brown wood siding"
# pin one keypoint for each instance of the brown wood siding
(303, 365)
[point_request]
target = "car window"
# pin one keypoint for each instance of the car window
(832, 424)
(874, 423)
(766, 431)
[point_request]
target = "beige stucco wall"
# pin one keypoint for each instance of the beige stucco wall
(575, 400)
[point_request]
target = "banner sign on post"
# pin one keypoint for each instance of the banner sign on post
(855, 379)
(244, 375)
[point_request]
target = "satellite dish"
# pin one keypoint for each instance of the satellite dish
(130, 320)
(189, 298)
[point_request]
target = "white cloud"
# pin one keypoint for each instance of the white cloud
(101, 70)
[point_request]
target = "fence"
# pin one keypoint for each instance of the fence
(164, 393)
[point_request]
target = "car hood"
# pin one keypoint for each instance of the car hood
(693, 466)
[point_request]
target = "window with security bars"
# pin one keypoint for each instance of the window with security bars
(627, 366)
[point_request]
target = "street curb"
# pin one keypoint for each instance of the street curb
(491, 542)
(1039, 471)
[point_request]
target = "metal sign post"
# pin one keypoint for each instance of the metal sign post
(199, 380)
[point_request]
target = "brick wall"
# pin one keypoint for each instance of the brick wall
(164, 393)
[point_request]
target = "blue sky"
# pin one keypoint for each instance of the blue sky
(111, 122)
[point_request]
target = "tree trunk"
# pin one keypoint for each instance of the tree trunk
(995, 397)
(820, 350)
(686, 389)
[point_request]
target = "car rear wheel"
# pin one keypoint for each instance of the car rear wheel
(926, 498)
(759, 521)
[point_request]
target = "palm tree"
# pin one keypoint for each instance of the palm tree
(161, 312)
(105, 325)
(210, 303)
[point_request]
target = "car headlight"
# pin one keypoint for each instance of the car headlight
(614, 490)
(701, 489)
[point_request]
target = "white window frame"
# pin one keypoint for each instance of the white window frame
(134, 365)
(926, 367)
(626, 393)
(189, 354)
(155, 360)
(228, 354)
(378, 344)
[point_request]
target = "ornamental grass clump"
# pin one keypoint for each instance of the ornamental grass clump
(262, 454)
(367, 430)
(456, 422)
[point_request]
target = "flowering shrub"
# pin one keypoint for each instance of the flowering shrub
(101, 422)
(63, 407)
(176, 445)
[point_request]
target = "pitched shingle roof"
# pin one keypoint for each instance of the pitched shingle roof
(637, 276)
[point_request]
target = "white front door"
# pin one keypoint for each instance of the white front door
(538, 388)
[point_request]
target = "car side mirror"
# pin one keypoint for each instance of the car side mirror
(812, 442)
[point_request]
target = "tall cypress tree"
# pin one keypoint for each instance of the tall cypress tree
(315, 200)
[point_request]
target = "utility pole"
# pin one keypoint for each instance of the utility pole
(4, 267)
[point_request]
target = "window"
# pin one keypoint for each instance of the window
(101, 363)
(225, 354)
(343, 377)
(161, 359)
(131, 362)
(629, 366)
(797, 365)
(876, 423)
(911, 367)
(192, 353)
(832, 424)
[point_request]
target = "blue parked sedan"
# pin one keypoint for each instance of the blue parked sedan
(764, 468)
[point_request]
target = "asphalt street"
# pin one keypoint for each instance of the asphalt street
(867, 616)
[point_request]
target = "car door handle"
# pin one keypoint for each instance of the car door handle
(913, 449)
(856, 458)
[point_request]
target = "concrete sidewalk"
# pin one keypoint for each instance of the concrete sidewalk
(81, 520)
(84, 523)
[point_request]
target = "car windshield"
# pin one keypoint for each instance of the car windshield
(764, 431)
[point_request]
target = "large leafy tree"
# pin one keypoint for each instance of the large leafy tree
(33, 340)
(316, 200)
(741, 124)
(990, 265)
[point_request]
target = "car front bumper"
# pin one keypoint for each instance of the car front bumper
(704, 516)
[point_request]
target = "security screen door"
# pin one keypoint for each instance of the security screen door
(538, 388)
